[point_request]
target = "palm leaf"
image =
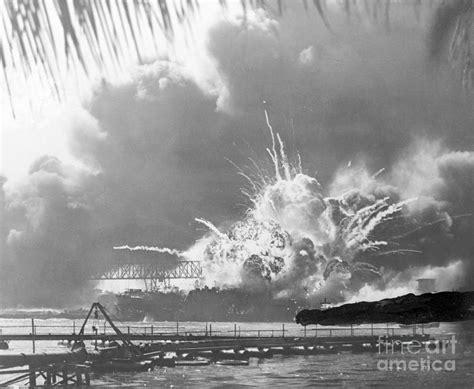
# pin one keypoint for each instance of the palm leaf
(98, 34)
(453, 20)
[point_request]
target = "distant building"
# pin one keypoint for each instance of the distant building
(426, 285)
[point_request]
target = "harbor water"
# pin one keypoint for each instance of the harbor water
(452, 366)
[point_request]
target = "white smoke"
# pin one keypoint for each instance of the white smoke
(163, 250)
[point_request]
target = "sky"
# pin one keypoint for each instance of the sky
(37, 126)
(133, 158)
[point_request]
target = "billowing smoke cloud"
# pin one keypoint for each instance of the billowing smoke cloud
(299, 244)
(48, 242)
(443, 182)
(153, 158)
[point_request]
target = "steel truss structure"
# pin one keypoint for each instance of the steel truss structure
(153, 274)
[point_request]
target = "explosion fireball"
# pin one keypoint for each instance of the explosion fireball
(293, 240)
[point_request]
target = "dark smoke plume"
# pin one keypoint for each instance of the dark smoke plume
(153, 150)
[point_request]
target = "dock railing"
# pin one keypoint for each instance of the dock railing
(179, 329)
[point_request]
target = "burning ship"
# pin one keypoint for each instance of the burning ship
(160, 301)
(204, 304)
(294, 245)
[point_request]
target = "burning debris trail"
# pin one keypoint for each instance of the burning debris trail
(148, 248)
(212, 227)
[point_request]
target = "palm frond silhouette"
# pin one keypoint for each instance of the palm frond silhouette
(92, 36)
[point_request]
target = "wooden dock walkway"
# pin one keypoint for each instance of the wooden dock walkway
(142, 348)
(178, 333)
(188, 342)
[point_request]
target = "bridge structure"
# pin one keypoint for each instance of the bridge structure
(154, 274)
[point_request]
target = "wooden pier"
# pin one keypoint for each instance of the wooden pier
(181, 348)
(174, 337)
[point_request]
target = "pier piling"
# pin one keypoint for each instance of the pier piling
(33, 334)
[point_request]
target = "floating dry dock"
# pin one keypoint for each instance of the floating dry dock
(116, 351)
